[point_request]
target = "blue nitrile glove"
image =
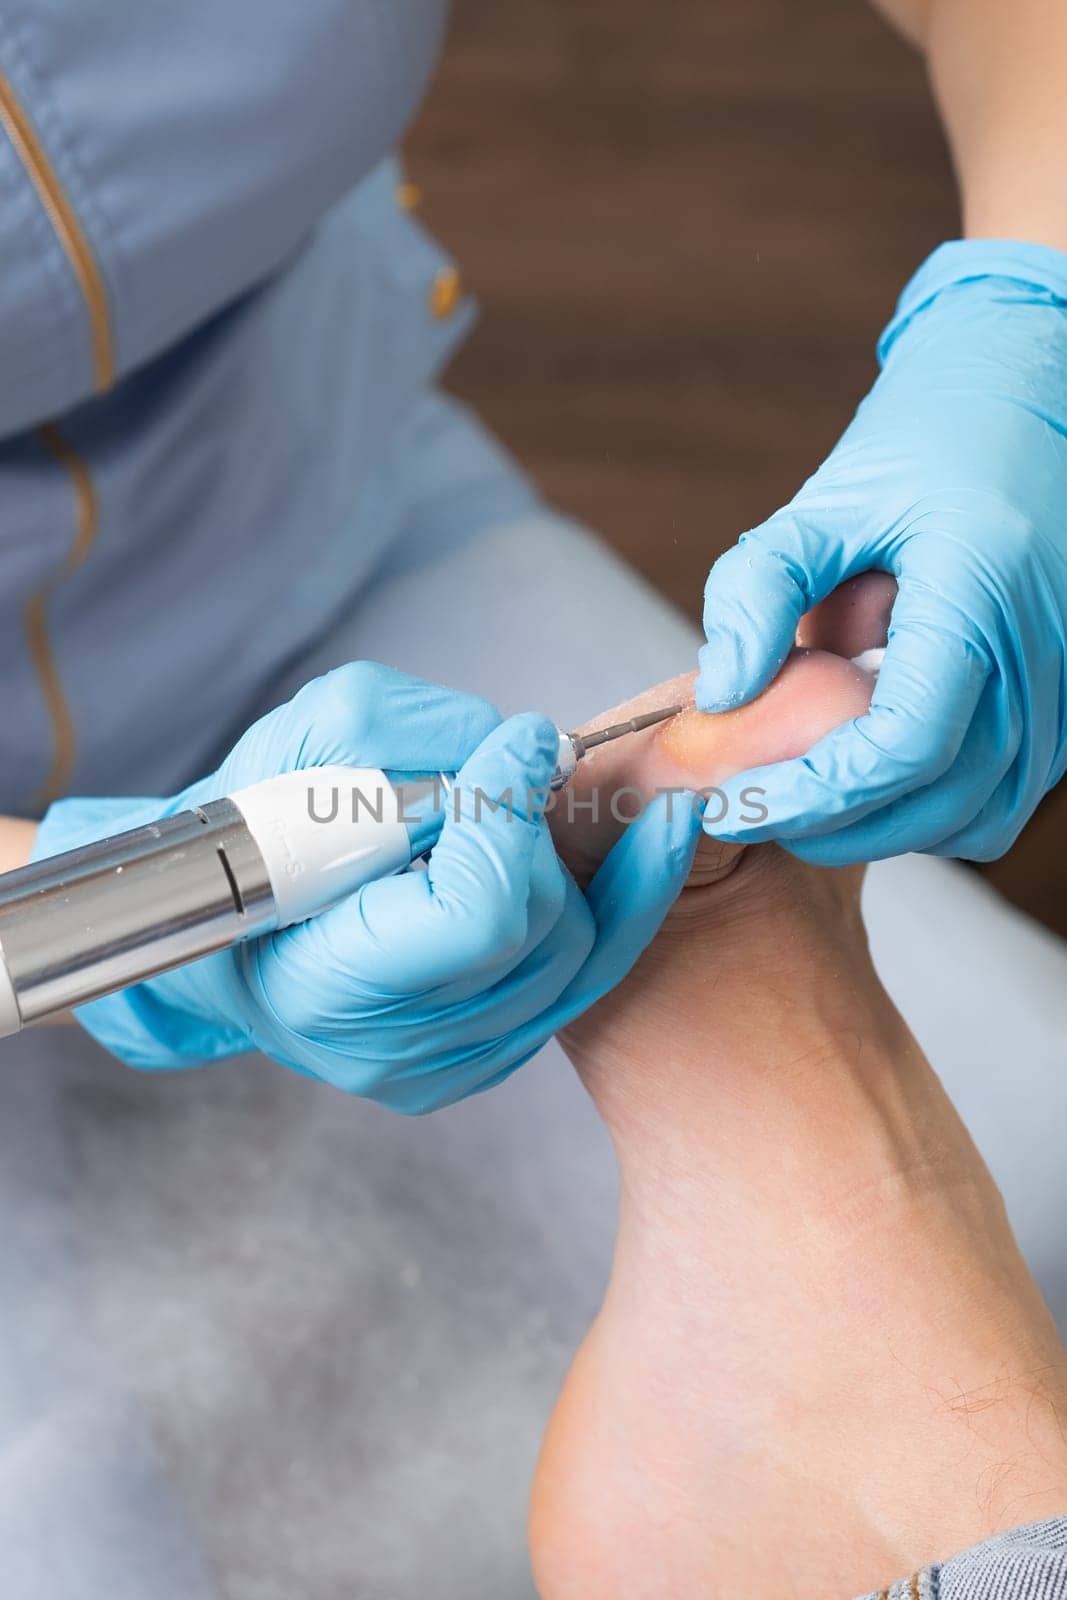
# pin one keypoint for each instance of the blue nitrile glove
(421, 988)
(953, 477)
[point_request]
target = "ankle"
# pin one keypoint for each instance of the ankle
(817, 1316)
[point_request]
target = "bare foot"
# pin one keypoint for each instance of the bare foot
(821, 1361)
(815, 692)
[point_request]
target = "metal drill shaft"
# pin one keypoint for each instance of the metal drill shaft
(588, 741)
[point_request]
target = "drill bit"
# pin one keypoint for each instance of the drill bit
(583, 742)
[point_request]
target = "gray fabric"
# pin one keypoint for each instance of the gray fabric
(1026, 1564)
(301, 1349)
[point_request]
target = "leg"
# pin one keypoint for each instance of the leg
(821, 1361)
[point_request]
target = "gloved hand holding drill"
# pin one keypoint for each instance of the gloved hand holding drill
(420, 988)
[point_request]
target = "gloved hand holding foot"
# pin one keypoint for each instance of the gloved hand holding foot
(420, 988)
(953, 478)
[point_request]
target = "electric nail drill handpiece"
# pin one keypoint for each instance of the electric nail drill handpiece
(83, 924)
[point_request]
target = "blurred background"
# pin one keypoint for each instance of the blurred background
(687, 223)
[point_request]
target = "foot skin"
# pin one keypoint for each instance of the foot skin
(815, 692)
(821, 1361)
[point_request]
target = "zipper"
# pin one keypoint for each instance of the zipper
(68, 231)
(38, 636)
(71, 236)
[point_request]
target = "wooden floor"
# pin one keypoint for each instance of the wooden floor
(687, 221)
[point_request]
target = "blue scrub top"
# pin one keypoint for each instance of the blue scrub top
(215, 311)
